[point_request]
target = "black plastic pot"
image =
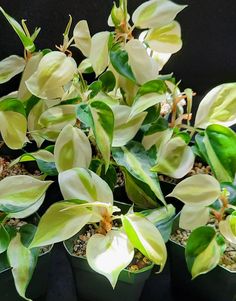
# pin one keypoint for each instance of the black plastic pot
(92, 286)
(217, 285)
(37, 286)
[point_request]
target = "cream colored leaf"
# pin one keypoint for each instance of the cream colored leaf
(226, 231)
(54, 71)
(99, 52)
(125, 129)
(30, 68)
(166, 39)
(197, 190)
(144, 67)
(72, 149)
(110, 254)
(82, 37)
(192, 217)
(11, 66)
(218, 106)
(156, 13)
(13, 126)
(158, 139)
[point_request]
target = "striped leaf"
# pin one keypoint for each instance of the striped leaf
(138, 163)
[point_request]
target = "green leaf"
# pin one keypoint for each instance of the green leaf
(23, 262)
(139, 192)
(155, 13)
(197, 190)
(26, 41)
(110, 254)
(100, 118)
(218, 106)
(4, 239)
(72, 149)
(119, 60)
(175, 158)
(109, 177)
(161, 124)
(220, 143)
(27, 233)
(108, 81)
(148, 95)
(203, 250)
(12, 105)
(94, 88)
(20, 192)
(138, 162)
(60, 222)
(146, 238)
(11, 66)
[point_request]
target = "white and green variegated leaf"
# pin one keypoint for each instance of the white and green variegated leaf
(109, 255)
(138, 163)
(20, 192)
(99, 52)
(83, 184)
(30, 68)
(82, 37)
(41, 154)
(156, 13)
(158, 139)
(60, 222)
(33, 120)
(197, 190)
(72, 149)
(192, 217)
(228, 229)
(146, 101)
(99, 117)
(85, 66)
(146, 238)
(203, 250)
(175, 158)
(11, 66)
(13, 126)
(23, 262)
(54, 71)
(218, 106)
(220, 145)
(4, 239)
(28, 211)
(53, 120)
(139, 60)
(125, 128)
(165, 39)
(26, 40)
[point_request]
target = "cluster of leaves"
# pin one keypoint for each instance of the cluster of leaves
(130, 117)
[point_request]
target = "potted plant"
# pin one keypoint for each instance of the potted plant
(112, 236)
(205, 226)
(20, 197)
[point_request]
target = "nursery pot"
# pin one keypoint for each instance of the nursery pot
(217, 285)
(38, 283)
(92, 286)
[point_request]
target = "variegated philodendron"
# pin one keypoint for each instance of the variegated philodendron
(20, 197)
(205, 198)
(89, 200)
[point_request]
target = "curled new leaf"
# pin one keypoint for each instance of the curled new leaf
(54, 71)
(82, 37)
